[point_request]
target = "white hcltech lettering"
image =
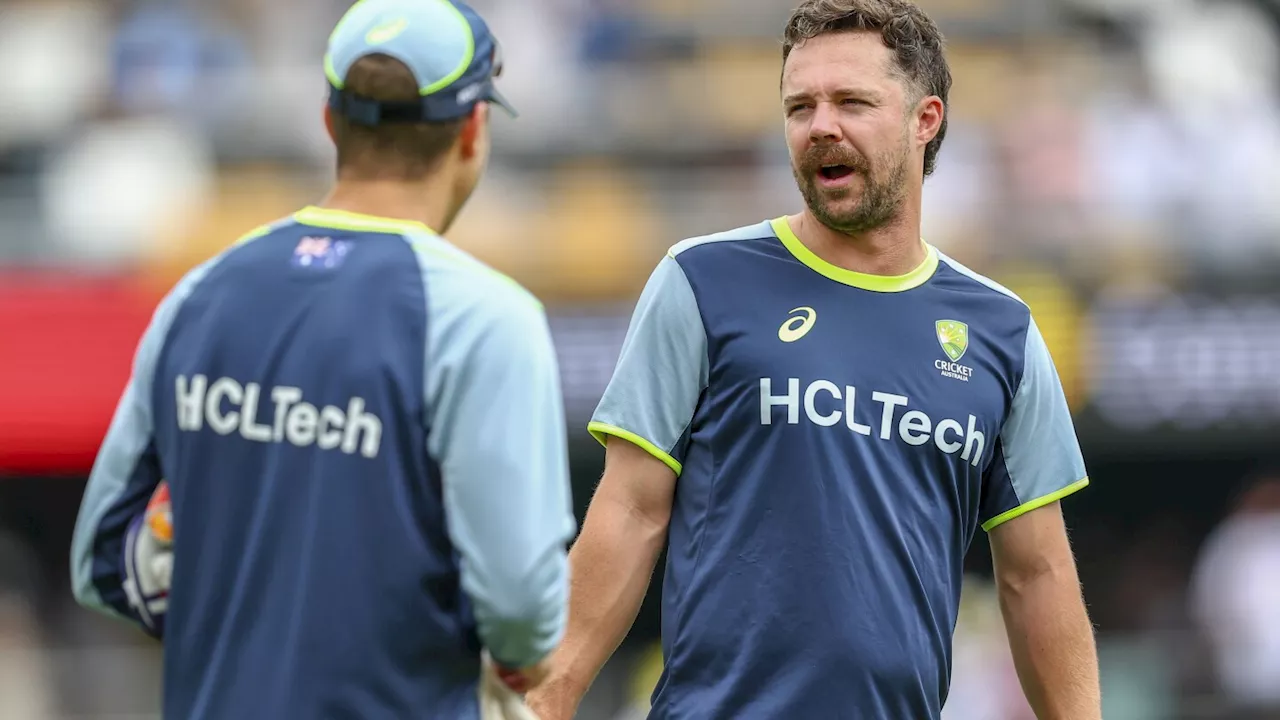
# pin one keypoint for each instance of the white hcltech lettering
(914, 427)
(201, 403)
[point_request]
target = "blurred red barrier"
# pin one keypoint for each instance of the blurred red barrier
(66, 346)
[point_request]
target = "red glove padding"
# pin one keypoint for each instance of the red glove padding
(148, 561)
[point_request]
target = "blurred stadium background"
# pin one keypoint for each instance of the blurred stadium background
(1116, 162)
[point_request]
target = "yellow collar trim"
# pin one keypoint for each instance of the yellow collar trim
(356, 222)
(875, 283)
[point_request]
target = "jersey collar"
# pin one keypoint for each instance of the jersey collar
(875, 283)
(357, 222)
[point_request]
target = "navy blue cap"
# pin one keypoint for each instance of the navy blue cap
(445, 44)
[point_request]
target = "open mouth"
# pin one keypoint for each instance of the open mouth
(835, 172)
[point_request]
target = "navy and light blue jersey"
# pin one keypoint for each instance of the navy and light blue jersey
(363, 432)
(838, 438)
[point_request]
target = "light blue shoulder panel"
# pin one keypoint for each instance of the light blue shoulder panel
(497, 432)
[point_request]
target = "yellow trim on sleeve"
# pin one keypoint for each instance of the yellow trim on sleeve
(875, 283)
(600, 430)
(1039, 502)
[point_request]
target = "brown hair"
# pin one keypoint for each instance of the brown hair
(400, 151)
(914, 39)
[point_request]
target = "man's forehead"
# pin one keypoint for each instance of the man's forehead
(850, 59)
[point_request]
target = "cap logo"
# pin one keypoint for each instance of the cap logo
(470, 93)
(387, 31)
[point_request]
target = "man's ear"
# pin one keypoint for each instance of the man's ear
(929, 114)
(328, 124)
(471, 130)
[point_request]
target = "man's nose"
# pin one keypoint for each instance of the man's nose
(824, 126)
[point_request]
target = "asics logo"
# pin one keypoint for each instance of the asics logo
(387, 31)
(797, 326)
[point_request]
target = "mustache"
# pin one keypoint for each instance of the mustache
(817, 156)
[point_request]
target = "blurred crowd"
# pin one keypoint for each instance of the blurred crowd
(1101, 153)
(1127, 143)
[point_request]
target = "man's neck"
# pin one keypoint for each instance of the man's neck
(890, 250)
(422, 202)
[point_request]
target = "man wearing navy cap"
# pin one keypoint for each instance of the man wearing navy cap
(359, 426)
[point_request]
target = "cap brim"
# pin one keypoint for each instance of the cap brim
(496, 98)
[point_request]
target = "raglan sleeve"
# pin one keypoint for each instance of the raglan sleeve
(661, 372)
(109, 546)
(1037, 459)
(497, 433)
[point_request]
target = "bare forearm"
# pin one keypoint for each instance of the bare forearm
(611, 566)
(1053, 644)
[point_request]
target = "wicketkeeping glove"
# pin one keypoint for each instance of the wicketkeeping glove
(148, 561)
(497, 700)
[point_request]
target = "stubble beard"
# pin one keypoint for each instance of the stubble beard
(879, 203)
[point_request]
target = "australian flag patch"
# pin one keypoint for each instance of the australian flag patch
(320, 252)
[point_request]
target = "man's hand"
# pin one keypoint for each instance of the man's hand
(551, 701)
(613, 560)
(522, 680)
(501, 689)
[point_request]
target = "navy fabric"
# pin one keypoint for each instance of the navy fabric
(313, 573)
(815, 560)
(109, 543)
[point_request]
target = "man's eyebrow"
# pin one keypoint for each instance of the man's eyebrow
(860, 93)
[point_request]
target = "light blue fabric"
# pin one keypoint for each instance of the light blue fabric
(497, 432)
(1041, 452)
(982, 279)
(1040, 447)
(130, 433)
(662, 368)
(397, 28)
(445, 44)
(747, 232)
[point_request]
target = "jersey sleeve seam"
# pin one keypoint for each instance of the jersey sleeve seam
(427, 404)
(706, 339)
(599, 429)
(427, 245)
(1021, 376)
(703, 384)
(984, 282)
(178, 297)
(497, 298)
(730, 236)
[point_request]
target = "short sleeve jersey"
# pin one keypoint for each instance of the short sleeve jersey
(838, 439)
